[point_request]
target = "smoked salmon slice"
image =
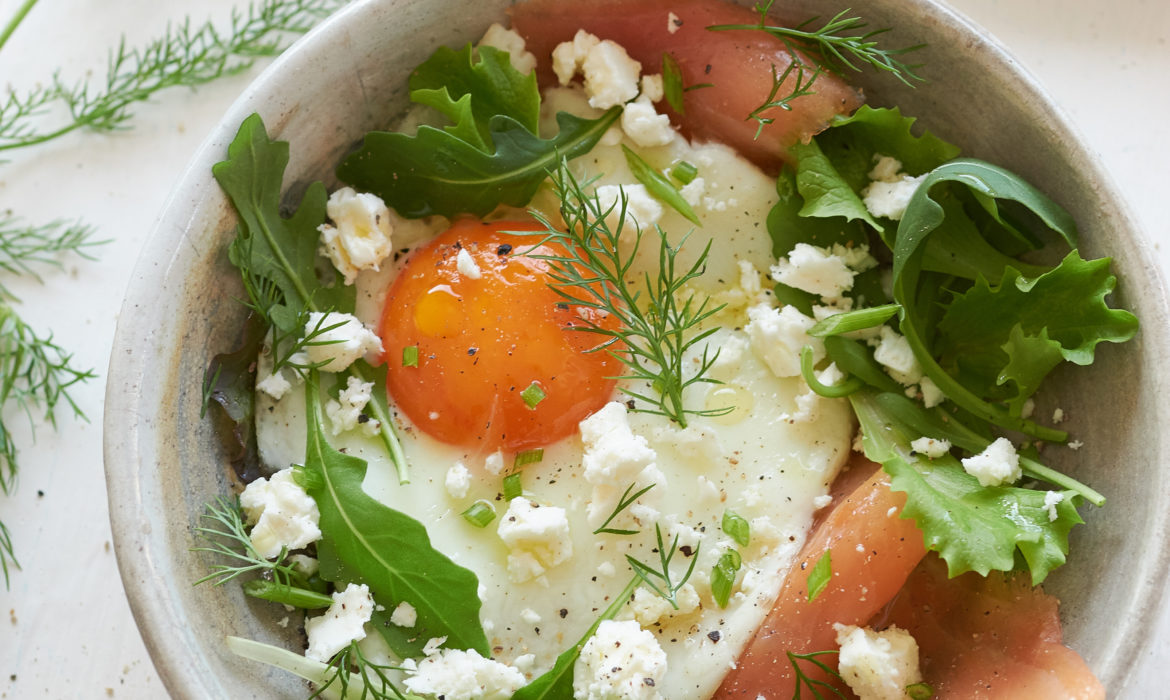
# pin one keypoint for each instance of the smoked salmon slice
(736, 64)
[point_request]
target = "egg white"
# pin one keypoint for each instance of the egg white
(763, 460)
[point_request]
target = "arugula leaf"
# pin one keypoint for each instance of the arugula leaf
(557, 682)
(826, 193)
(787, 226)
(973, 528)
(658, 185)
(437, 173)
(470, 92)
(1068, 302)
(269, 246)
(869, 131)
(924, 216)
(369, 542)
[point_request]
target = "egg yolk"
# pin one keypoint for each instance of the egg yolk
(499, 364)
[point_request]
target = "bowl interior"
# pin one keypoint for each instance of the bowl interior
(164, 462)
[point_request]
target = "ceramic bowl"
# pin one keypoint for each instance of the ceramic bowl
(163, 461)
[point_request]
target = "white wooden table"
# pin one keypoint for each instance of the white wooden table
(66, 630)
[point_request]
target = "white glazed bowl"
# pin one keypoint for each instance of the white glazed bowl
(163, 462)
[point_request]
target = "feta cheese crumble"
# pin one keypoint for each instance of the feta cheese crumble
(466, 265)
(508, 40)
(890, 189)
(339, 347)
(645, 126)
(613, 458)
(455, 674)
(284, 516)
(346, 412)
(537, 537)
(893, 351)
(878, 665)
(342, 623)
(931, 447)
(815, 270)
(620, 661)
(458, 480)
(997, 465)
(404, 615)
(649, 608)
(777, 336)
(359, 238)
(1051, 500)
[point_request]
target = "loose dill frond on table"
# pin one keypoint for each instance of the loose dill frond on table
(24, 245)
(36, 375)
(186, 55)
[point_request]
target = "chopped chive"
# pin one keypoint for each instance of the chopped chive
(672, 87)
(481, 512)
(410, 356)
(736, 527)
(819, 577)
(286, 594)
(723, 576)
(920, 691)
(528, 457)
(657, 185)
(684, 172)
(512, 486)
(533, 395)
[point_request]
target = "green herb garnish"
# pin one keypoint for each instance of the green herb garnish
(513, 487)
(225, 535)
(624, 502)
(277, 259)
(410, 356)
(533, 394)
(820, 575)
(814, 685)
(490, 155)
(736, 527)
(481, 513)
(365, 540)
(658, 185)
(662, 576)
(526, 457)
(658, 323)
(723, 576)
(284, 594)
(557, 682)
(684, 172)
(920, 691)
(355, 675)
(672, 83)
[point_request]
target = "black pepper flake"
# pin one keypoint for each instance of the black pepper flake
(714, 635)
(564, 613)
(630, 404)
(563, 305)
(472, 351)
(363, 418)
(687, 550)
(504, 249)
(648, 681)
(40, 494)
(707, 70)
(458, 245)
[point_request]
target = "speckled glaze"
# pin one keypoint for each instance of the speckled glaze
(163, 462)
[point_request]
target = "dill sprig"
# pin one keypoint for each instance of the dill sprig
(35, 375)
(800, 88)
(185, 55)
(624, 502)
(226, 536)
(24, 245)
(661, 581)
(832, 47)
(656, 326)
(813, 684)
(351, 665)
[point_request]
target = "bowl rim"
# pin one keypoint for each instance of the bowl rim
(129, 488)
